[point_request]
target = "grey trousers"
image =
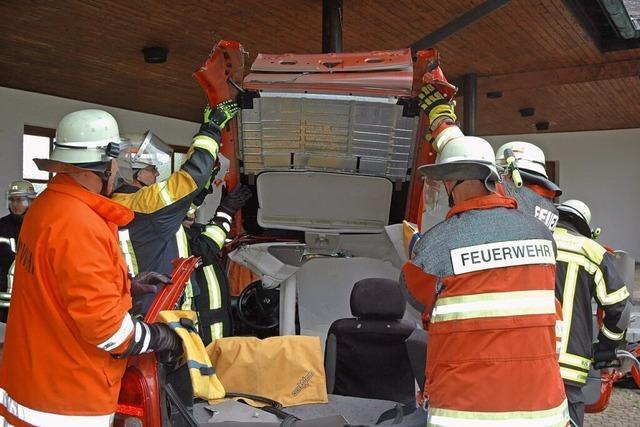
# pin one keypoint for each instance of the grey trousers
(575, 397)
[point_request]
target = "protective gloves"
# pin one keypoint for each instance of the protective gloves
(147, 282)
(436, 105)
(235, 199)
(156, 337)
(215, 119)
(604, 352)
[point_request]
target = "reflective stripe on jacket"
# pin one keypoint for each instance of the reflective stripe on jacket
(69, 310)
(585, 270)
(487, 282)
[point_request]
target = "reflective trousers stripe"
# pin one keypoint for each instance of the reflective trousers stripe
(615, 336)
(183, 252)
(575, 361)
(573, 375)
(39, 418)
(215, 298)
(547, 418)
(495, 304)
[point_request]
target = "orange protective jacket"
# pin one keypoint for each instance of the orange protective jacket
(485, 277)
(69, 310)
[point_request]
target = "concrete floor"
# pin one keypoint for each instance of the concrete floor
(623, 411)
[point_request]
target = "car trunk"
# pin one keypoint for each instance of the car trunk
(327, 142)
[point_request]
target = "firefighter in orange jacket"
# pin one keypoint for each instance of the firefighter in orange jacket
(65, 348)
(485, 279)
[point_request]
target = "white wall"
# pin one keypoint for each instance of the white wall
(18, 108)
(602, 169)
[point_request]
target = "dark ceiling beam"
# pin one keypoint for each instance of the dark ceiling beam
(331, 26)
(560, 76)
(458, 24)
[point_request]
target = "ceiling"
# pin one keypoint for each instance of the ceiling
(538, 53)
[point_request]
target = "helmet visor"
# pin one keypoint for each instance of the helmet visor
(436, 202)
(152, 151)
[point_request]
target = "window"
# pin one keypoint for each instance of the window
(37, 143)
(179, 157)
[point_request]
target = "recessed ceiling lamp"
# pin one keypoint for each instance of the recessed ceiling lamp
(542, 126)
(527, 112)
(155, 54)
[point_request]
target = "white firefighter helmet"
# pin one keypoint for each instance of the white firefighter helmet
(21, 188)
(86, 136)
(578, 213)
(531, 163)
(85, 140)
(464, 158)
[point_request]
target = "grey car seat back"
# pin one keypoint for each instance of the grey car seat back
(366, 356)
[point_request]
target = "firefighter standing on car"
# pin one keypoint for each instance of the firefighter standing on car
(65, 347)
(213, 303)
(531, 187)
(19, 197)
(586, 270)
(485, 279)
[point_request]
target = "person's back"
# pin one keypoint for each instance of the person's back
(586, 271)
(484, 280)
(46, 334)
(492, 331)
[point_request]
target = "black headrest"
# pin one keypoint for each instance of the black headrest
(377, 299)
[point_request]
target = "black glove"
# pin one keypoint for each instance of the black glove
(148, 282)
(156, 337)
(604, 353)
(235, 199)
(216, 119)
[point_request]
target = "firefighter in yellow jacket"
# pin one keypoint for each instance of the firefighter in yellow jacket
(156, 237)
(585, 270)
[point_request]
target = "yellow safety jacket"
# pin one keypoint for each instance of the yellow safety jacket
(585, 270)
(155, 237)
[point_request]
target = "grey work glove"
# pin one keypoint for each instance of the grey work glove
(148, 282)
(235, 199)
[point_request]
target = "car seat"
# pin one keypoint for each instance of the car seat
(366, 356)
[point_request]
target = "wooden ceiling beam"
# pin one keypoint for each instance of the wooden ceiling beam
(559, 76)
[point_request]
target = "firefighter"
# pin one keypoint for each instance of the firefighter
(213, 302)
(70, 332)
(484, 279)
(19, 197)
(156, 237)
(535, 196)
(586, 270)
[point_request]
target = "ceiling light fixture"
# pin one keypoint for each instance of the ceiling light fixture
(542, 126)
(155, 54)
(527, 112)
